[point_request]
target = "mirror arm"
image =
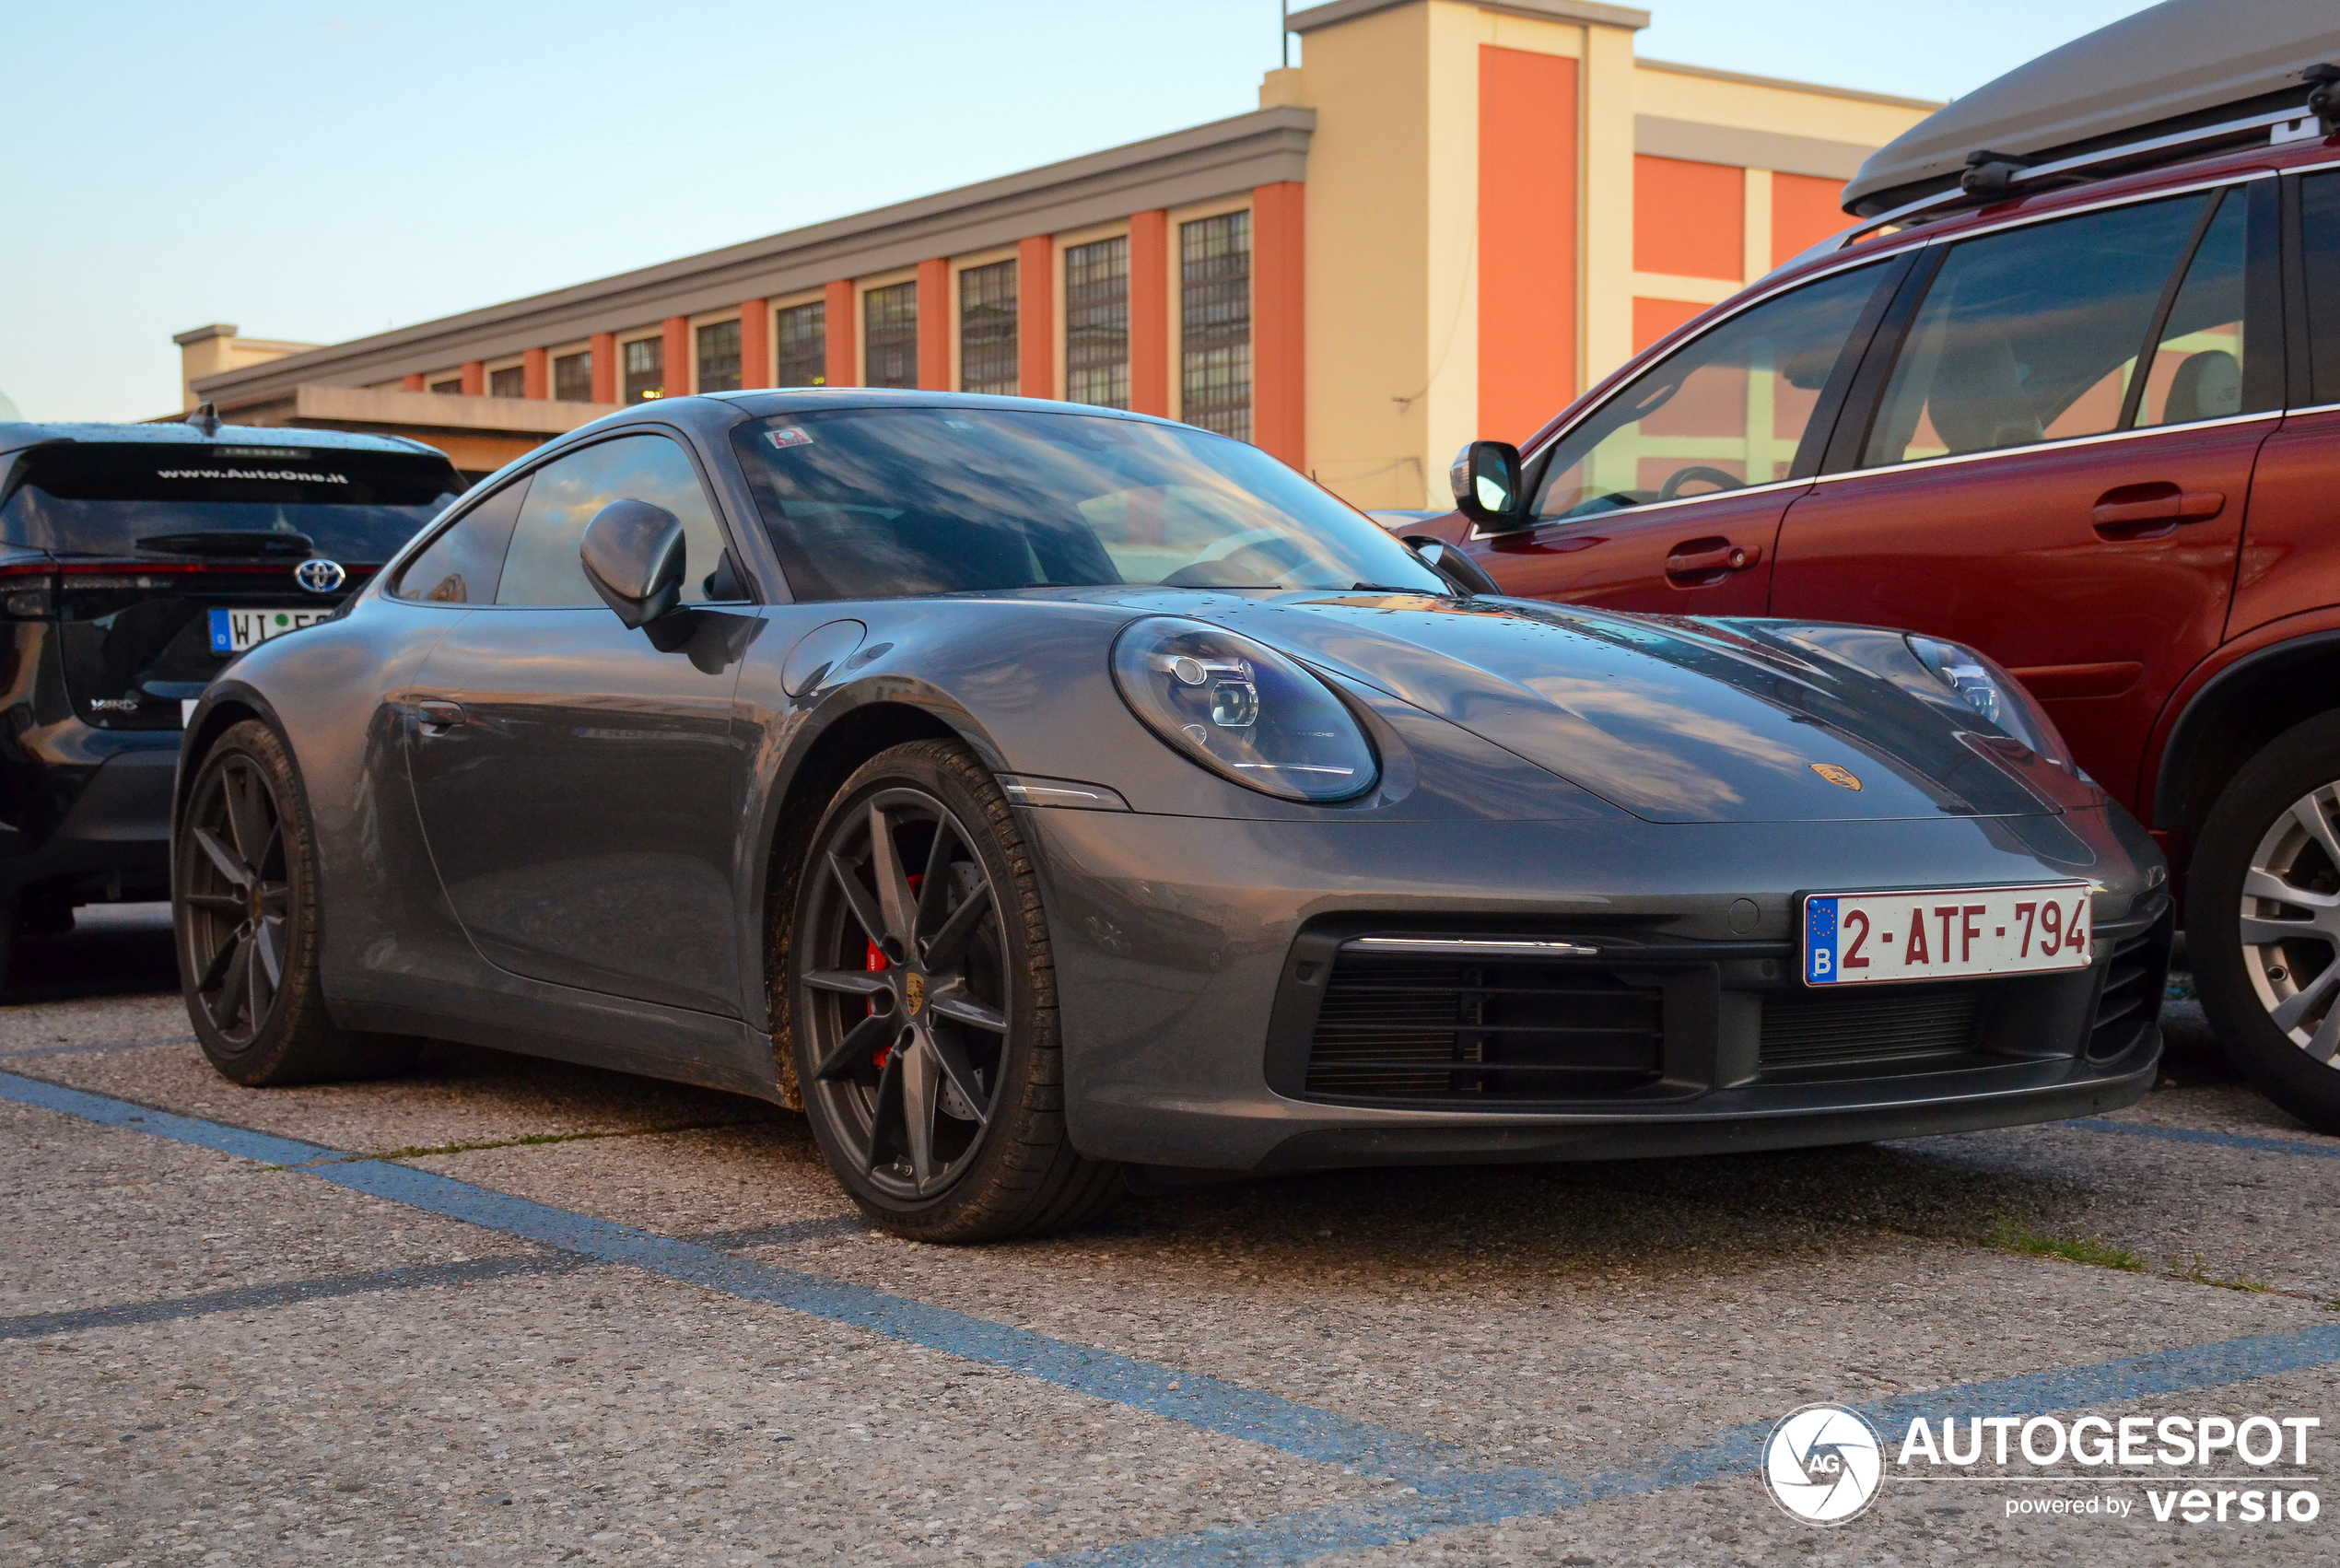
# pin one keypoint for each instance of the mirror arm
(672, 631)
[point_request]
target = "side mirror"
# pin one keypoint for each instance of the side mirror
(633, 555)
(1468, 576)
(1487, 485)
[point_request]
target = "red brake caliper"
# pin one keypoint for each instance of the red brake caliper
(874, 962)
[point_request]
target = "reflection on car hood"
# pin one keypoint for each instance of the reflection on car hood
(1675, 720)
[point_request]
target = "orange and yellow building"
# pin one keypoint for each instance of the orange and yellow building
(1452, 217)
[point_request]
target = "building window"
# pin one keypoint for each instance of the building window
(455, 386)
(645, 369)
(509, 381)
(890, 337)
(718, 358)
(573, 377)
(1214, 324)
(986, 329)
(804, 338)
(1096, 323)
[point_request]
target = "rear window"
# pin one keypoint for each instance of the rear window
(172, 499)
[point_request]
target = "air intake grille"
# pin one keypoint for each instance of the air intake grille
(1841, 1028)
(1413, 1029)
(2131, 1000)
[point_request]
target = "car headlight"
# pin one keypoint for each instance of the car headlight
(1990, 691)
(1242, 710)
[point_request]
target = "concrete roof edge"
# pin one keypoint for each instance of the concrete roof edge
(205, 333)
(1856, 94)
(1135, 167)
(1592, 11)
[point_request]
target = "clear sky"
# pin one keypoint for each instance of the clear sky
(318, 171)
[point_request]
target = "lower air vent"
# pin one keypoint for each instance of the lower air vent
(1848, 1028)
(2134, 984)
(1416, 1029)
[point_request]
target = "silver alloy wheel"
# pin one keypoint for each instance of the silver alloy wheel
(910, 1041)
(2290, 922)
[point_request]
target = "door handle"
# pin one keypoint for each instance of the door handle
(1710, 560)
(2132, 510)
(438, 717)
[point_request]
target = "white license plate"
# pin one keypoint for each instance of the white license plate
(233, 631)
(1865, 939)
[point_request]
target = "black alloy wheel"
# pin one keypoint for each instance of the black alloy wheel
(245, 913)
(922, 1010)
(2262, 921)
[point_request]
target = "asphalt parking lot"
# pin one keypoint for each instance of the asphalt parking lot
(507, 1311)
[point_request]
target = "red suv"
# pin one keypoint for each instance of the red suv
(2094, 432)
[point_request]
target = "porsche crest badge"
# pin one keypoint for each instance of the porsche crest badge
(1843, 778)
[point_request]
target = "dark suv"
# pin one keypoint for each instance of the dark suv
(2081, 414)
(135, 561)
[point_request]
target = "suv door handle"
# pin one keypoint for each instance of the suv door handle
(438, 717)
(2130, 511)
(1710, 560)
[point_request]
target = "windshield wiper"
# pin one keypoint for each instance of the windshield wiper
(1391, 588)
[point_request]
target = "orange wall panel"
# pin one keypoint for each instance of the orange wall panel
(1689, 219)
(1805, 211)
(937, 322)
(535, 373)
(1279, 299)
(414, 381)
(755, 344)
(475, 378)
(1150, 312)
(837, 340)
(674, 366)
(1527, 239)
(604, 367)
(1035, 316)
(1653, 319)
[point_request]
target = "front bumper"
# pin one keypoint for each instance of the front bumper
(1193, 957)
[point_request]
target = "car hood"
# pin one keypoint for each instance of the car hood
(1673, 719)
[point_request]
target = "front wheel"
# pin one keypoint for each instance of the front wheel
(2262, 921)
(922, 1008)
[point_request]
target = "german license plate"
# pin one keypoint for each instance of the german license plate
(233, 631)
(1865, 939)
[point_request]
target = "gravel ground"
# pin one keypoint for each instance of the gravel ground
(211, 1361)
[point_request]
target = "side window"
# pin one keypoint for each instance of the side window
(1726, 410)
(2320, 246)
(2035, 334)
(2197, 370)
(461, 565)
(544, 569)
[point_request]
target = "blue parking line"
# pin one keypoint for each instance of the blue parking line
(1450, 1488)
(2196, 1135)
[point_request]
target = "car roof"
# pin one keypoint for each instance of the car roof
(2166, 68)
(16, 435)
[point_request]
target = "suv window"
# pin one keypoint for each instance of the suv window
(542, 567)
(2035, 334)
(1725, 410)
(460, 566)
(2320, 247)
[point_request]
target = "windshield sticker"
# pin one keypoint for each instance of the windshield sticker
(789, 437)
(293, 475)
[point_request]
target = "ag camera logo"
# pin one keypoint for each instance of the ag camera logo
(1822, 1464)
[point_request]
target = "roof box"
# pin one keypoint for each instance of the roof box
(2173, 67)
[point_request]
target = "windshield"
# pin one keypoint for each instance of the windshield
(354, 505)
(884, 503)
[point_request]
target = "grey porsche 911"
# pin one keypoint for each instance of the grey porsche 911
(1040, 797)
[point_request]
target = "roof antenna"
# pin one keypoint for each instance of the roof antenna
(1287, 34)
(205, 418)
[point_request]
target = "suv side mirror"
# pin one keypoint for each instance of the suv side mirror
(633, 555)
(1467, 575)
(1487, 485)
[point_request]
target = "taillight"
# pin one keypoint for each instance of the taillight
(27, 592)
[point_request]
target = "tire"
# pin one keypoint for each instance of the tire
(922, 1013)
(247, 925)
(2262, 921)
